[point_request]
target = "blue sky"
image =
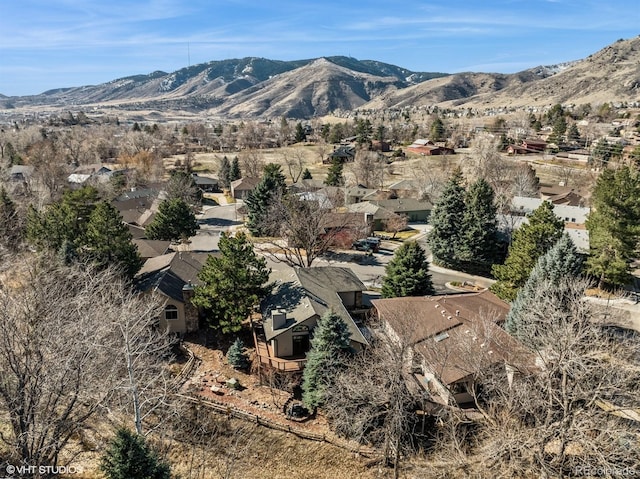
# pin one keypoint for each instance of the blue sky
(47, 44)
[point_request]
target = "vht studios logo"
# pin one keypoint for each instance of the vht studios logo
(42, 470)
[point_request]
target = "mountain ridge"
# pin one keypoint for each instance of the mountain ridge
(260, 87)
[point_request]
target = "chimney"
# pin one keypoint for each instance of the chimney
(278, 318)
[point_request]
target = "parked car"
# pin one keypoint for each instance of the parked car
(367, 244)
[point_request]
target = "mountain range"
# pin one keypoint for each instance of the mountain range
(262, 88)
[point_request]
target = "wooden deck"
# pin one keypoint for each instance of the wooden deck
(265, 354)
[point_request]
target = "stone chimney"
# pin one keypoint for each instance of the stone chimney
(278, 318)
(191, 317)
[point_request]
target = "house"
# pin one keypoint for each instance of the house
(416, 211)
(20, 173)
(205, 183)
(94, 172)
(300, 297)
(382, 146)
(562, 195)
(428, 148)
(343, 153)
(534, 144)
(241, 188)
(173, 275)
(372, 213)
(303, 186)
(580, 155)
(574, 218)
(406, 189)
(452, 341)
(151, 248)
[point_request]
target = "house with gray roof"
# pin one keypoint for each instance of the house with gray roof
(173, 276)
(300, 297)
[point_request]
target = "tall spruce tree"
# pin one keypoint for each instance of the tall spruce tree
(236, 355)
(306, 174)
(231, 284)
(530, 241)
(407, 274)
(614, 226)
(479, 246)
(174, 221)
(334, 175)
(235, 173)
(108, 240)
(447, 221)
(329, 346)
(128, 456)
(562, 261)
(224, 172)
(259, 200)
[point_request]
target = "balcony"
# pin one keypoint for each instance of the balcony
(264, 352)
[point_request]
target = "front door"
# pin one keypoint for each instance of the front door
(300, 344)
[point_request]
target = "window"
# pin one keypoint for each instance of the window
(171, 312)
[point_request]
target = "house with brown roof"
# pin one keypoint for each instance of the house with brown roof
(173, 276)
(241, 188)
(453, 340)
(428, 148)
(299, 298)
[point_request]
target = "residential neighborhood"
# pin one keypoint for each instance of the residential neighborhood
(388, 297)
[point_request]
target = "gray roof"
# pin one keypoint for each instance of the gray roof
(378, 212)
(402, 205)
(568, 214)
(168, 273)
(307, 292)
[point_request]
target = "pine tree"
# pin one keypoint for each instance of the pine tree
(300, 134)
(258, 201)
(562, 261)
(573, 134)
(530, 241)
(436, 132)
(235, 173)
(447, 219)
(128, 456)
(306, 174)
(224, 173)
(231, 284)
(174, 221)
(108, 240)
(407, 274)
(236, 355)
(479, 245)
(329, 346)
(614, 226)
(334, 175)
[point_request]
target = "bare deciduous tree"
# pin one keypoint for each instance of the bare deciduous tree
(573, 412)
(396, 223)
(62, 355)
(368, 169)
(251, 164)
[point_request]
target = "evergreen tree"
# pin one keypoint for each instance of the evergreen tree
(231, 284)
(224, 173)
(562, 261)
(559, 129)
(329, 346)
(64, 220)
(259, 199)
(530, 241)
(300, 134)
(174, 221)
(236, 355)
(614, 226)
(437, 132)
(479, 245)
(334, 175)
(602, 152)
(306, 174)
(407, 274)
(108, 240)
(364, 131)
(573, 134)
(11, 230)
(183, 185)
(447, 219)
(128, 456)
(235, 173)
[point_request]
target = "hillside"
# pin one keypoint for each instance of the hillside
(258, 87)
